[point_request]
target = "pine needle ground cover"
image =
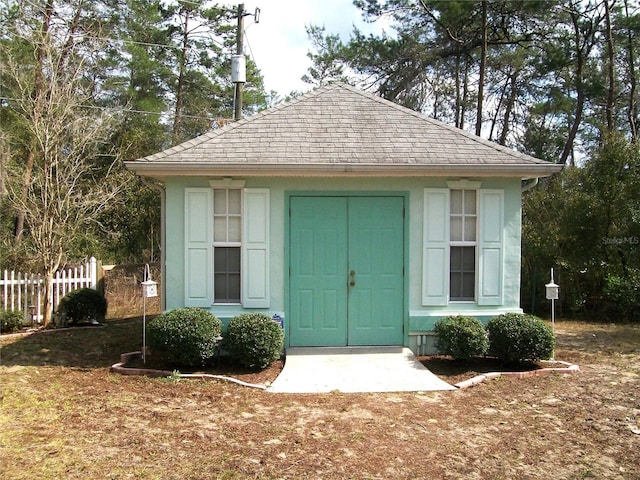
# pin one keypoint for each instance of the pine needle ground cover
(64, 415)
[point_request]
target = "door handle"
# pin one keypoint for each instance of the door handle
(352, 274)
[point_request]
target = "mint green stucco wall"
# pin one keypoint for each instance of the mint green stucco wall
(423, 318)
(418, 318)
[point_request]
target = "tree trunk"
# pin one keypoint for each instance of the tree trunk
(632, 113)
(177, 117)
(511, 101)
(465, 91)
(483, 67)
(47, 307)
(458, 94)
(494, 120)
(580, 93)
(611, 71)
(71, 38)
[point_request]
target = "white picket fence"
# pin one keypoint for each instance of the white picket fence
(25, 291)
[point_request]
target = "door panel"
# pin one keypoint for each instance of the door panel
(318, 290)
(329, 238)
(376, 255)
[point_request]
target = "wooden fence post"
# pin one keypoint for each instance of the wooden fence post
(93, 273)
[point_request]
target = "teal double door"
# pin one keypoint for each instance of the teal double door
(346, 275)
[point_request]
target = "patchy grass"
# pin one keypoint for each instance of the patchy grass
(63, 415)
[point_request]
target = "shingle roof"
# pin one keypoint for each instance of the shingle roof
(339, 128)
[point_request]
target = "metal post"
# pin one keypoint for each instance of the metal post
(553, 323)
(144, 313)
(553, 351)
(149, 289)
(144, 329)
(552, 294)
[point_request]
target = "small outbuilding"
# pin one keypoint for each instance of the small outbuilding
(355, 220)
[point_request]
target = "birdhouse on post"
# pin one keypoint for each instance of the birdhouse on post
(149, 290)
(149, 287)
(552, 289)
(552, 294)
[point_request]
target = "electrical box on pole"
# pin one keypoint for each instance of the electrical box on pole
(238, 69)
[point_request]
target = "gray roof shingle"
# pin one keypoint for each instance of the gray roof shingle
(341, 129)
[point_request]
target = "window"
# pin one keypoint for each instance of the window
(227, 234)
(462, 244)
(231, 264)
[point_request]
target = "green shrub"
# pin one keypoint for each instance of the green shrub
(519, 338)
(461, 337)
(10, 321)
(84, 304)
(184, 336)
(254, 339)
(621, 296)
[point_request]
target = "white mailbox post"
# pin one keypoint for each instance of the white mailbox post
(552, 291)
(149, 290)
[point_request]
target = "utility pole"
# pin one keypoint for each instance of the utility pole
(237, 115)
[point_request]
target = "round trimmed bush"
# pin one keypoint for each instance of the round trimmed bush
(185, 336)
(84, 304)
(10, 321)
(520, 338)
(254, 339)
(461, 337)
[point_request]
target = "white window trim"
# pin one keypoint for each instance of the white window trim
(227, 185)
(436, 251)
(468, 186)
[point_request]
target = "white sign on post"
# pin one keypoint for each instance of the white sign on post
(552, 291)
(149, 290)
(149, 287)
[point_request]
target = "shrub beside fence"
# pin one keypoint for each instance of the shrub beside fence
(24, 292)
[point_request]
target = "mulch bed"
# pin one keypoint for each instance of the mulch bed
(225, 367)
(454, 371)
(450, 370)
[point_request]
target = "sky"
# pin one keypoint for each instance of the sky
(278, 44)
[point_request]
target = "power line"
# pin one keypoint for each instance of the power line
(127, 110)
(249, 46)
(132, 42)
(206, 35)
(107, 39)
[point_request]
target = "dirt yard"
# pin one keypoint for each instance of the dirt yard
(63, 415)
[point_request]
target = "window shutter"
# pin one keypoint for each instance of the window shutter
(198, 239)
(435, 258)
(490, 257)
(255, 248)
